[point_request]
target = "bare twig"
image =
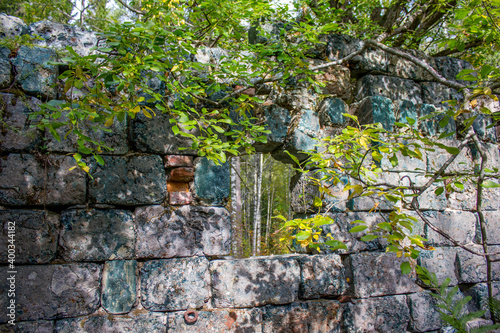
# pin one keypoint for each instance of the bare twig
(132, 9)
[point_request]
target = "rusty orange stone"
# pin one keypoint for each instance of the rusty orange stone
(177, 187)
(172, 161)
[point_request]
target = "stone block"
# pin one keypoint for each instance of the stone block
(35, 234)
(11, 27)
(335, 80)
(493, 158)
(423, 312)
(368, 203)
(308, 317)
(277, 120)
(479, 294)
(53, 291)
(39, 326)
(322, 276)
(46, 180)
(331, 110)
(377, 274)
(231, 320)
(405, 163)
(147, 322)
(387, 86)
(460, 225)
(428, 200)
(443, 261)
(450, 67)
(471, 268)
(492, 219)
(296, 97)
(173, 161)
(437, 158)
(376, 109)
(5, 68)
(17, 135)
(304, 137)
(35, 76)
(144, 129)
(119, 286)
(254, 282)
(132, 180)
(483, 126)
(175, 284)
(303, 192)
(211, 181)
(466, 199)
(96, 235)
(406, 69)
(437, 93)
(388, 314)
(182, 174)
(59, 36)
(179, 198)
(192, 230)
(116, 139)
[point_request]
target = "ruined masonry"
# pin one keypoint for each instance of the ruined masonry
(148, 237)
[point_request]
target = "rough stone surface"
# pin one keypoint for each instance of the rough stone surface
(180, 198)
(155, 135)
(233, 320)
(35, 233)
(150, 322)
(39, 326)
(175, 284)
(119, 286)
(211, 181)
(5, 68)
(96, 235)
(11, 27)
(441, 261)
(382, 315)
(172, 161)
(254, 282)
(377, 274)
(59, 36)
(322, 276)
(471, 268)
(191, 231)
(492, 219)
(423, 312)
(336, 80)
(53, 291)
(308, 317)
(182, 174)
(450, 67)
(29, 180)
(35, 76)
(376, 109)
(305, 134)
(277, 120)
(16, 134)
(460, 225)
(134, 180)
(331, 110)
(391, 87)
(436, 93)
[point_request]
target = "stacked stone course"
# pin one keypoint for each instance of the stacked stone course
(148, 236)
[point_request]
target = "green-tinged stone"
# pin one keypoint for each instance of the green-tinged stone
(211, 181)
(119, 286)
(377, 109)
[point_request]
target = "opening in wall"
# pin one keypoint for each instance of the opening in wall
(260, 189)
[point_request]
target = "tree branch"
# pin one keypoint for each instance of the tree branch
(124, 4)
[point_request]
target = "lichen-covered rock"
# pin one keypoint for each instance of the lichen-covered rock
(17, 135)
(308, 317)
(35, 232)
(376, 109)
(192, 230)
(175, 284)
(277, 120)
(483, 126)
(471, 268)
(233, 320)
(437, 93)
(11, 27)
(322, 276)
(133, 180)
(377, 274)
(254, 282)
(5, 68)
(35, 76)
(29, 180)
(155, 135)
(59, 36)
(492, 223)
(391, 87)
(297, 99)
(479, 294)
(388, 314)
(211, 181)
(119, 286)
(148, 322)
(39, 326)
(423, 312)
(460, 225)
(336, 79)
(331, 110)
(437, 158)
(96, 235)
(450, 67)
(368, 203)
(53, 291)
(441, 261)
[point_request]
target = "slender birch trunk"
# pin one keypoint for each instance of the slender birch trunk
(257, 197)
(236, 213)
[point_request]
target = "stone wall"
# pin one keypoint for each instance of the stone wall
(146, 239)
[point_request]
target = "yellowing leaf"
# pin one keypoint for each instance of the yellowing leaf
(137, 109)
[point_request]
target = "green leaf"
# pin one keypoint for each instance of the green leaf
(175, 129)
(318, 202)
(367, 238)
(358, 228)
(439, 191)
(490, 184)
(405, 267)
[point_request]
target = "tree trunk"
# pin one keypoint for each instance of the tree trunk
(236, 213)
(257, 197)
